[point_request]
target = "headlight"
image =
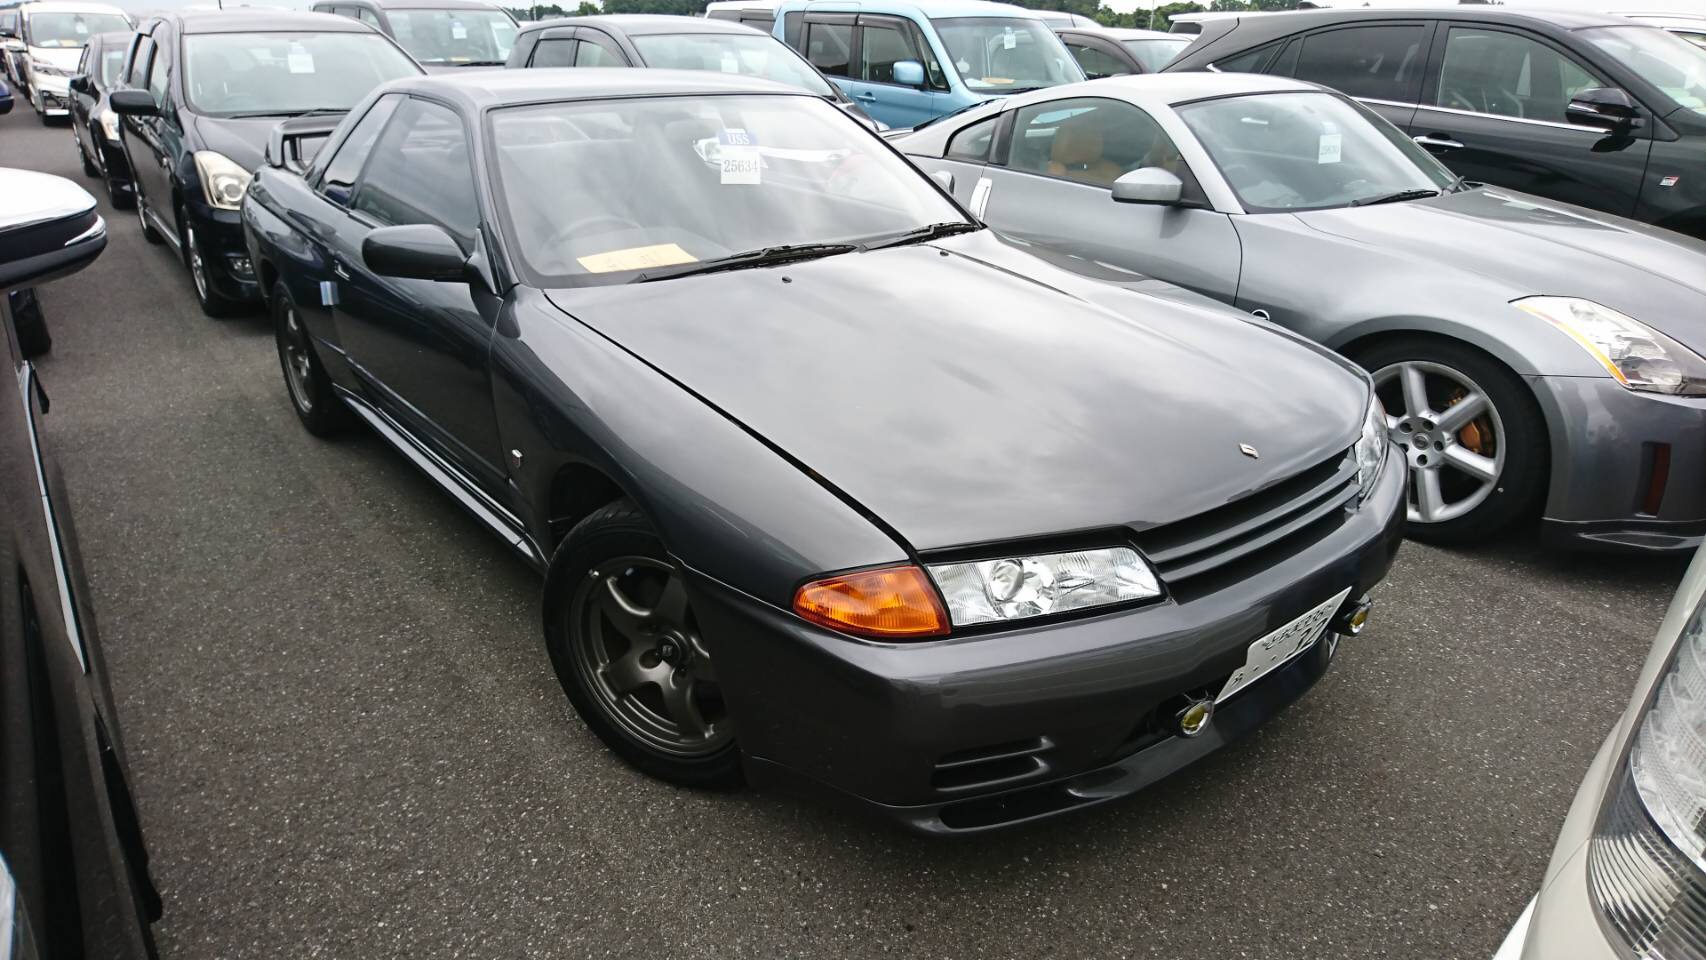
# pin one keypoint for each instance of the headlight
(1640, 357)
(222, 179)
(46, 69)
(1372, 445)
(1647, 857)
(1014, 588)
(109, 125)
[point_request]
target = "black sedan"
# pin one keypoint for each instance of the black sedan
(829, 485)
(94, 126)
(73, 867)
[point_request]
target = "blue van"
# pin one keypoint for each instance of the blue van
(906, 61)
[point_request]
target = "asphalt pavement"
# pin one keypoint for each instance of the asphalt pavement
(347, 742)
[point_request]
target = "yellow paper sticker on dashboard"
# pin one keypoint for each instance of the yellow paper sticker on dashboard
(636, 258)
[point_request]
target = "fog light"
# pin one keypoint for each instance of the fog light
(1194, 718)
(240, 268)
(1353, 616)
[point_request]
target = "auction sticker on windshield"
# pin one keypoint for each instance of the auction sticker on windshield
(738, 153)
(636, 258)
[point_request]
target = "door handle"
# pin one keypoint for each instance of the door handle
(1439, 140)
(867, 97)
(338, 269)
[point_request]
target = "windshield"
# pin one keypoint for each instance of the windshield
(1663, 59)
(261, 74)
(1157, 53)
(605, 191)
(63, 30)
(454, 36)
(1308, 151)
(754, 56)
(1006, 54)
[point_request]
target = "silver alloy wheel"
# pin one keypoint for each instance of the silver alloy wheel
(638, 648)
(298, 369)
(1444, 422)
(198, 271)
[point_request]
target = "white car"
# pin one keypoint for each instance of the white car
(54, 34)
(1688, 26)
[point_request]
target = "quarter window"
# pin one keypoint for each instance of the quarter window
(972, 143)
(138, 77)
(1508, 75)
(597, 51)
(1381, 63)
(554, 53)
(1096, 62)
(367, 16)
(1250, 61)
(1090, 140)
(829, 47)
(421, 173)
(881, 47)
(341, 173)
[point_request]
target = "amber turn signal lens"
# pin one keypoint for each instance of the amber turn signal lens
(894, 603)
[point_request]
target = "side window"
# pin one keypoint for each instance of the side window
(882, 45)
(1250, 61)
(1090, 140)
(1508, 75)
(1382, 63)
(972, 143)
(829, 47)
(138, 76)
(761, 22)
(1097, 63)
(157, 75)
(791, 22)
(421, 173)
(367, 16)
(83, 61)
(339, 179)
(598, 50)
(554, 53)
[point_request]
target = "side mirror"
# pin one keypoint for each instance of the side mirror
(944, 179)
(415, 251)
(79, 82)
(13, 44)
(909, 72)
(1149, 185)
(1606, 108)
(48, 228)
(133, 103)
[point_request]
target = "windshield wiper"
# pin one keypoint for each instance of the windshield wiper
(934, 231)
(318, 111)
(475, 63)
(768, 256)
(1395, 197)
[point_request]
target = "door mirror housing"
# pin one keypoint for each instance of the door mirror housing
(1149, 185)
(133, 103)
(909, 72)
(48, 228)
(415, 251)
(944, 179)
(1605, 108)
(79, 83)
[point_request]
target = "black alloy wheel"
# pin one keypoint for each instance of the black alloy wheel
(89, 168)
(310, 389)
(213, 303)
(629, 653)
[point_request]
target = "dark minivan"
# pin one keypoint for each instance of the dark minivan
(1587, 108)
(203, 93)
(94, 126)
(441, 34)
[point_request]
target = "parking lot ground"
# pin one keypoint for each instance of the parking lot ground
(346, 740)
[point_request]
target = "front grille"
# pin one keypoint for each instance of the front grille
(994, 766)
(1253, 525)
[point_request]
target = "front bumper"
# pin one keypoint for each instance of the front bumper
(1607, 443)
(225, 252)
(971, 734)
(52, 95)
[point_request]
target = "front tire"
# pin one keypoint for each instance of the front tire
(212, 302)
(311, 394)
(89, 168)
(629, 655)
(148, 232)
(1471, 433)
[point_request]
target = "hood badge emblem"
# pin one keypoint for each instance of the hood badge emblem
(1249, 451)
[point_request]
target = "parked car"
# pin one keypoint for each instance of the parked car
(1592, 109)
(53, 35)
(69, 832)
(1627, 877)
(1061, 20)
(1028, 591)
(1688, 26)
(441, 34)
(203, 93)
(673, 43)
(906, 61)
(1116, 52)
(760, 15)
(1504, 332)
(11, 45)
(94, 126)
(5, 99)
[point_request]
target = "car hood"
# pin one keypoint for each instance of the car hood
(966, 392)
(244, 141)
(1534, 246)
(65, 58)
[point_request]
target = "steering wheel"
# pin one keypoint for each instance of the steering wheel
(581, 227)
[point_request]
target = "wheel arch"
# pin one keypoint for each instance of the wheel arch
(577, 490)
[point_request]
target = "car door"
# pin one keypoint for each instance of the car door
(1050, 183)
(420, 347)
(1493, 111)
(965, 159)
(882, 42)
(826, 39)
(152, 143)
(1382, 64)
(1099, 57)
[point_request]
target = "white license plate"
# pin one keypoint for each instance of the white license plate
(1280, 646)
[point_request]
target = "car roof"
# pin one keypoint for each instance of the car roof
(643, 24)
(69, 6)
(1288, 20)
(417, 4)
(1133, 33)
(935, 9)
(264, 21)
(501, 88)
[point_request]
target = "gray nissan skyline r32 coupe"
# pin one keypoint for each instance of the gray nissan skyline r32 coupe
(1532, 356)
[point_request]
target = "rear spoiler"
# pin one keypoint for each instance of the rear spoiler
(294, 142)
